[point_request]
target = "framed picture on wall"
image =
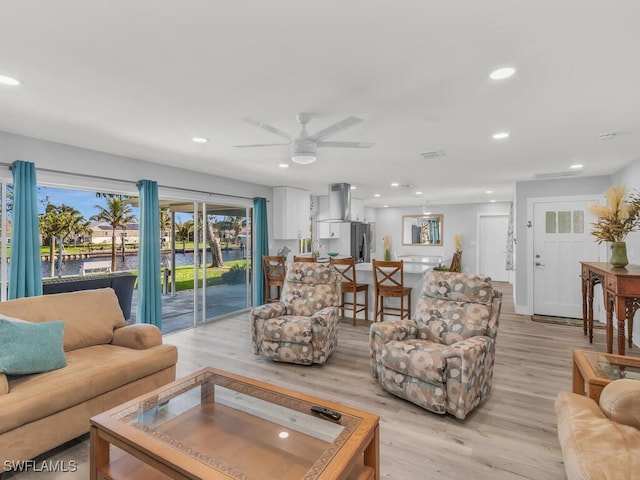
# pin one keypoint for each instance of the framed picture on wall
(373, 236)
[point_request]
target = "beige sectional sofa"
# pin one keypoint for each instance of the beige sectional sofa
(107, 364)
(601, 441)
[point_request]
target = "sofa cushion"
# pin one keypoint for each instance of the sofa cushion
(4, 384)
(620, 401)
(90, 372)
(592, 445)
(89, 316)
(27, 347)
(419, 359)
(288, 328)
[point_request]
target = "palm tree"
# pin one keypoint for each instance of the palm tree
(214, 244)
(117, 214)
(58, 222)
(184, 232)
(165, 224)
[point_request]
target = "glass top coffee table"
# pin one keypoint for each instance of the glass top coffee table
(214, 424)
(592, 371)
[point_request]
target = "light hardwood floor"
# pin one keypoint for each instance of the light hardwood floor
(511, 436)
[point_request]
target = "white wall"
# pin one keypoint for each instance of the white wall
(462, 219)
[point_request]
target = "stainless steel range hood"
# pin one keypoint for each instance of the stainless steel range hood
(339, 202)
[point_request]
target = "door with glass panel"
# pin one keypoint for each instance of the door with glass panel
(562, 239)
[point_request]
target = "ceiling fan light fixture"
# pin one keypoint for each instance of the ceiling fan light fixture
(303, 158)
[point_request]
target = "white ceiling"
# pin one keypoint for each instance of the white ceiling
(141, 78)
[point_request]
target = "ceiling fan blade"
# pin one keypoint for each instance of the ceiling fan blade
(268, 128)
(346, 144)
(261, 145)
(335, 128)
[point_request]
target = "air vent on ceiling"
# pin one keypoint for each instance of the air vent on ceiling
(433, 154)
(607, 136)
(555, 175)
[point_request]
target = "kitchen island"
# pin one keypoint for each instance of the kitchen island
(413, 274)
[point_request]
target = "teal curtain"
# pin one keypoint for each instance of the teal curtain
(261, 236)
(25, 276)
(149, 306)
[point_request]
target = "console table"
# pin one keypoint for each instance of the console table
(621, 291)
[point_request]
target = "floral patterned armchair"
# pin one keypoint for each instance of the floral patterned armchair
(303, 327)
(442, 360)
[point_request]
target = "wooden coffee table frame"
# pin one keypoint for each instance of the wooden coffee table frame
(586, 381)
(142, 456)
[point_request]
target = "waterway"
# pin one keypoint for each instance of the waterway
(130, 262)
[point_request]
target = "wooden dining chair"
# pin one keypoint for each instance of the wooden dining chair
(346, 267)
(274, 272)
(304, 259)
(389, 282)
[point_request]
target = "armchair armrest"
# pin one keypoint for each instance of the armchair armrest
(384, 332)
(258, 316)
(269, 310)
(139, 336)
(4, 384)
(324, 316)
(468, 373)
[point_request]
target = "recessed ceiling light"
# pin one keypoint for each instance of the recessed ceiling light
(353, 187)
(502, 73)
(283, 434)
(418, 193)
(284, 165)
(500, 135)
(576, 166)
(395, 184)
(10, 81)
(492, 201)
(199, 139)
(386, 206)
(376, 194)
(489, 192)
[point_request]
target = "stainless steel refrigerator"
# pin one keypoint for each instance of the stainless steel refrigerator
(361, 242)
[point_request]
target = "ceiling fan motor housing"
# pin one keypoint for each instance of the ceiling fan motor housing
(303, 151)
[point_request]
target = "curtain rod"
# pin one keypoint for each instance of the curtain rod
(97, 177)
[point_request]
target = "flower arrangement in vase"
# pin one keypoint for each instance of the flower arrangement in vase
(615, 221)
(387, 248)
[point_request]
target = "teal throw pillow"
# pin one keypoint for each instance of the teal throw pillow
(27, 347)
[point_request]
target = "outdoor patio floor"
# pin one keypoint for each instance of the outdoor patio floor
(177, 310)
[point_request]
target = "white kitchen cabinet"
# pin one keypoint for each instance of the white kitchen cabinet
(357, 210)
(326, 230)
(291, 213)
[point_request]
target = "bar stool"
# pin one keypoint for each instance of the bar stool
(274, 270)
(304, 259)
(389, 282)
(347, 270)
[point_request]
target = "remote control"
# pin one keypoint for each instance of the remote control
(327, 412)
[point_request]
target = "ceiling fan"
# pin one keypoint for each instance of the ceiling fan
(305, 146)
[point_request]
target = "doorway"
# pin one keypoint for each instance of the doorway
(492, 244)
(561, 240)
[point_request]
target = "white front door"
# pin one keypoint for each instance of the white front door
(492, 246)
(561, 240)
